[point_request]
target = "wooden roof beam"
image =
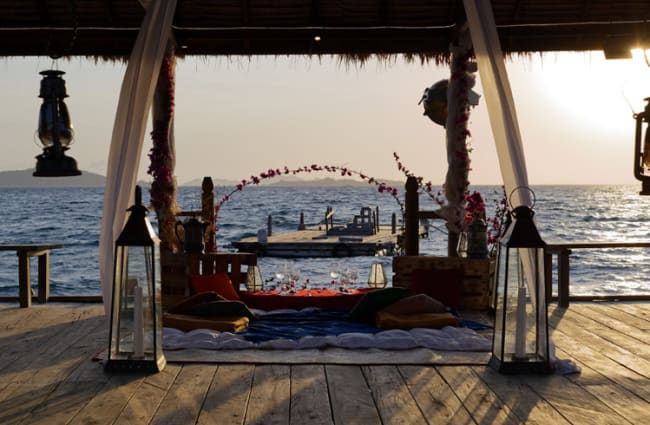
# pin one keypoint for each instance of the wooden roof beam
(517, 11)
(109, 12)
(43, 11)
(315, 17)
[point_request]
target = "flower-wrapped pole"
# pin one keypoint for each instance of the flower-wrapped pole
(456, 182)
(162, 155)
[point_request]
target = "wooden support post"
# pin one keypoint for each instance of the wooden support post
(43, 277)
(563, 277)
(24, 278)
(207, 214)
(164, 190)
(548, 275)
(269, 226)
(411, 221)
(393, 223)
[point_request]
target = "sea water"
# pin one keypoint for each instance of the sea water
(72, 216)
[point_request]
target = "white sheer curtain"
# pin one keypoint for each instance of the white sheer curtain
(498, 97)
(505, 127)
(128, 131)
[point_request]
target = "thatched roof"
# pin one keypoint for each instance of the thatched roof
(107, 28)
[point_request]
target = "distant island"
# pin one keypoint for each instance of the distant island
(292, 181)
(24, 178)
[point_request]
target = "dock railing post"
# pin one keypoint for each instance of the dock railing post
(563, 277)
(412, 207)
(269, 226)
(301, 225)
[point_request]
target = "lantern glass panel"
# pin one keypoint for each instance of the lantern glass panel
(137, 285)
(520, 323)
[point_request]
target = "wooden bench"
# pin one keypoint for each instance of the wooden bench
(563, 251)
(25, 252)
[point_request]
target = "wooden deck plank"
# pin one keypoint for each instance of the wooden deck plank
(516, 393)
(53, 380)
(614, 329)
(20, 399)
(182, 403)
(270, 398)
(576, 404)
(640, 310)
(613, 361)
(144, 403)
(618, 399)
(228, 395)
(309, 401)
(41, 358)
(437, 401)
(108, 404)
(350, 396)
(481, 402)
(394, 401)
(66, 401)
(601, 370)
(632, 324)
(623, 402)
(20, 326)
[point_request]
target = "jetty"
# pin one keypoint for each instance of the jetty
(363, 236)
(49, 374)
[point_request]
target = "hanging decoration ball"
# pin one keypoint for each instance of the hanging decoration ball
(434, 100)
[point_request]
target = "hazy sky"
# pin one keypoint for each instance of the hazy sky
(240, 116)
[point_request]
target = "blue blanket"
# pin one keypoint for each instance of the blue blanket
(298, 324)
(314, 322)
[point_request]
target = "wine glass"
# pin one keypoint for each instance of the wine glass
(354, 275)
(334, 274)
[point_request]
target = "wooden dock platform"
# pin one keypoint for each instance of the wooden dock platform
(317, 243)
(47, 376)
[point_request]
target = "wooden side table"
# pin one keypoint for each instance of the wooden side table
(25, 252)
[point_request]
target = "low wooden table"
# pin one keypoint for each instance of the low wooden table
(25, 252)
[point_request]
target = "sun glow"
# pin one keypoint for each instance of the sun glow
(597, 92)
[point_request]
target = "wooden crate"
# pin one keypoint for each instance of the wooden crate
(477, 279)
(177, 269)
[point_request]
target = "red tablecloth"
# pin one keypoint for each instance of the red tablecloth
(321, 298)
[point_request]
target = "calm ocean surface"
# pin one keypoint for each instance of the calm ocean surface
(564, 213)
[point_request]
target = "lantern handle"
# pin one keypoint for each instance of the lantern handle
(521, 188)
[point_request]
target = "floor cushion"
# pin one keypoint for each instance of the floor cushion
(413, 304)
(385, 320)
(220, 308)
(372, 302)
(202, 297)
(218, 282)
(188, 323)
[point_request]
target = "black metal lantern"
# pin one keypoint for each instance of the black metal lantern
(55, 130)
(642, 157)
(521, 342)
(135, 339)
